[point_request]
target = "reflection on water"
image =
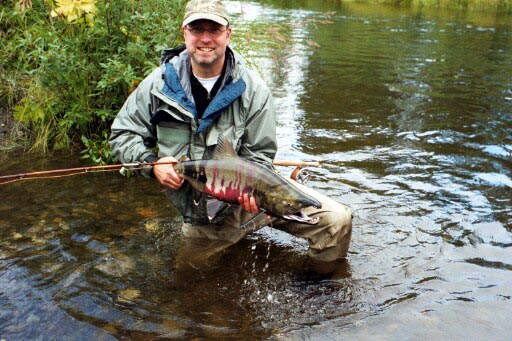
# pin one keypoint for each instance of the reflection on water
(409, 113)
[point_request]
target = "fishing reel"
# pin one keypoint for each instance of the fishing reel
(301, 175)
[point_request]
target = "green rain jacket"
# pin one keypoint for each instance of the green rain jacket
(159, 119)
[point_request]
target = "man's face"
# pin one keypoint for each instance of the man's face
(206, 42)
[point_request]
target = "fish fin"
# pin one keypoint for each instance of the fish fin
(218, 210)
(183, 158)
(213, 206)
(252, 224)
(224, 149)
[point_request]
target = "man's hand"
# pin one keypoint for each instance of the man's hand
(248, 203)
(166, 175)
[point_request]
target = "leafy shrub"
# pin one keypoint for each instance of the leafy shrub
(66, 67)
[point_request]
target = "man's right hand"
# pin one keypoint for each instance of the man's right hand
(166, 175)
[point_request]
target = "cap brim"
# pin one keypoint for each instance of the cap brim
(205, 16)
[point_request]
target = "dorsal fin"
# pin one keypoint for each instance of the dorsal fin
(224, 149)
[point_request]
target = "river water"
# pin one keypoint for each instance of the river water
(410, 113)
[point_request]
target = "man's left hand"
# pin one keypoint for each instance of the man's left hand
(248, 203)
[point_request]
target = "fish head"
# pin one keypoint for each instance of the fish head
(289, 205)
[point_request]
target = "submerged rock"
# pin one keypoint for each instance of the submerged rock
(128, 295)
(80, 238)
(97, 246)
(146, 212)
(152, 225)
(17, 236)
(116, 264)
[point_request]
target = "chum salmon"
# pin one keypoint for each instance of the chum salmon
(226, 176)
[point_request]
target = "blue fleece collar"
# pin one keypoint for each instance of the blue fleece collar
(173, 89)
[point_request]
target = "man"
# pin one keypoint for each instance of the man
(201, 91)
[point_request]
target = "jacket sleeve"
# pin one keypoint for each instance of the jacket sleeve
(133, 136)
(259, 142)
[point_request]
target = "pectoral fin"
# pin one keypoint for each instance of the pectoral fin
(254, 223)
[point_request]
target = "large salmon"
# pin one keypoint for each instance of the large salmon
(227, 176)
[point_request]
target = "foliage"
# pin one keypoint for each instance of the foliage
(97, 149)
(67, 66)
(73, 11)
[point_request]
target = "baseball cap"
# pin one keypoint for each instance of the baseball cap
(206, 9)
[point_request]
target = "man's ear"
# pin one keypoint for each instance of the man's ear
(229, 34)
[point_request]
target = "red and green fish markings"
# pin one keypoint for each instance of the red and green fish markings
(227, 176)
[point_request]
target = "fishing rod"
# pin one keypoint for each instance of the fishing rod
(296, 163)
(57, 173)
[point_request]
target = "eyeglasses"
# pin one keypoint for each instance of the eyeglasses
(198, 31)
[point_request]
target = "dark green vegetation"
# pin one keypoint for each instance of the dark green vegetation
(66, 71)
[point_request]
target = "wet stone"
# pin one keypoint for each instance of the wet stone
(128, 295)
(39, 241)
(61, 223)
(124, 217)
(111, 328)
(116, 265)
(152, 225)
(17, 236)
(130, 232)
(33, 319)
(85, 213)
(38, 227)
(97, 246)
(6, 207)
(51, 268)
(80, 238)
(146, 212)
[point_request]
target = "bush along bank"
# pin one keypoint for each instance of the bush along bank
(66, 67)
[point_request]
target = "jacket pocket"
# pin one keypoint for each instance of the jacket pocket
(174, 132)
(173, 138)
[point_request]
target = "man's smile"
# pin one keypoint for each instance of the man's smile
(205, 49)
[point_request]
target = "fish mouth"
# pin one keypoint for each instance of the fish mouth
(301, 217)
